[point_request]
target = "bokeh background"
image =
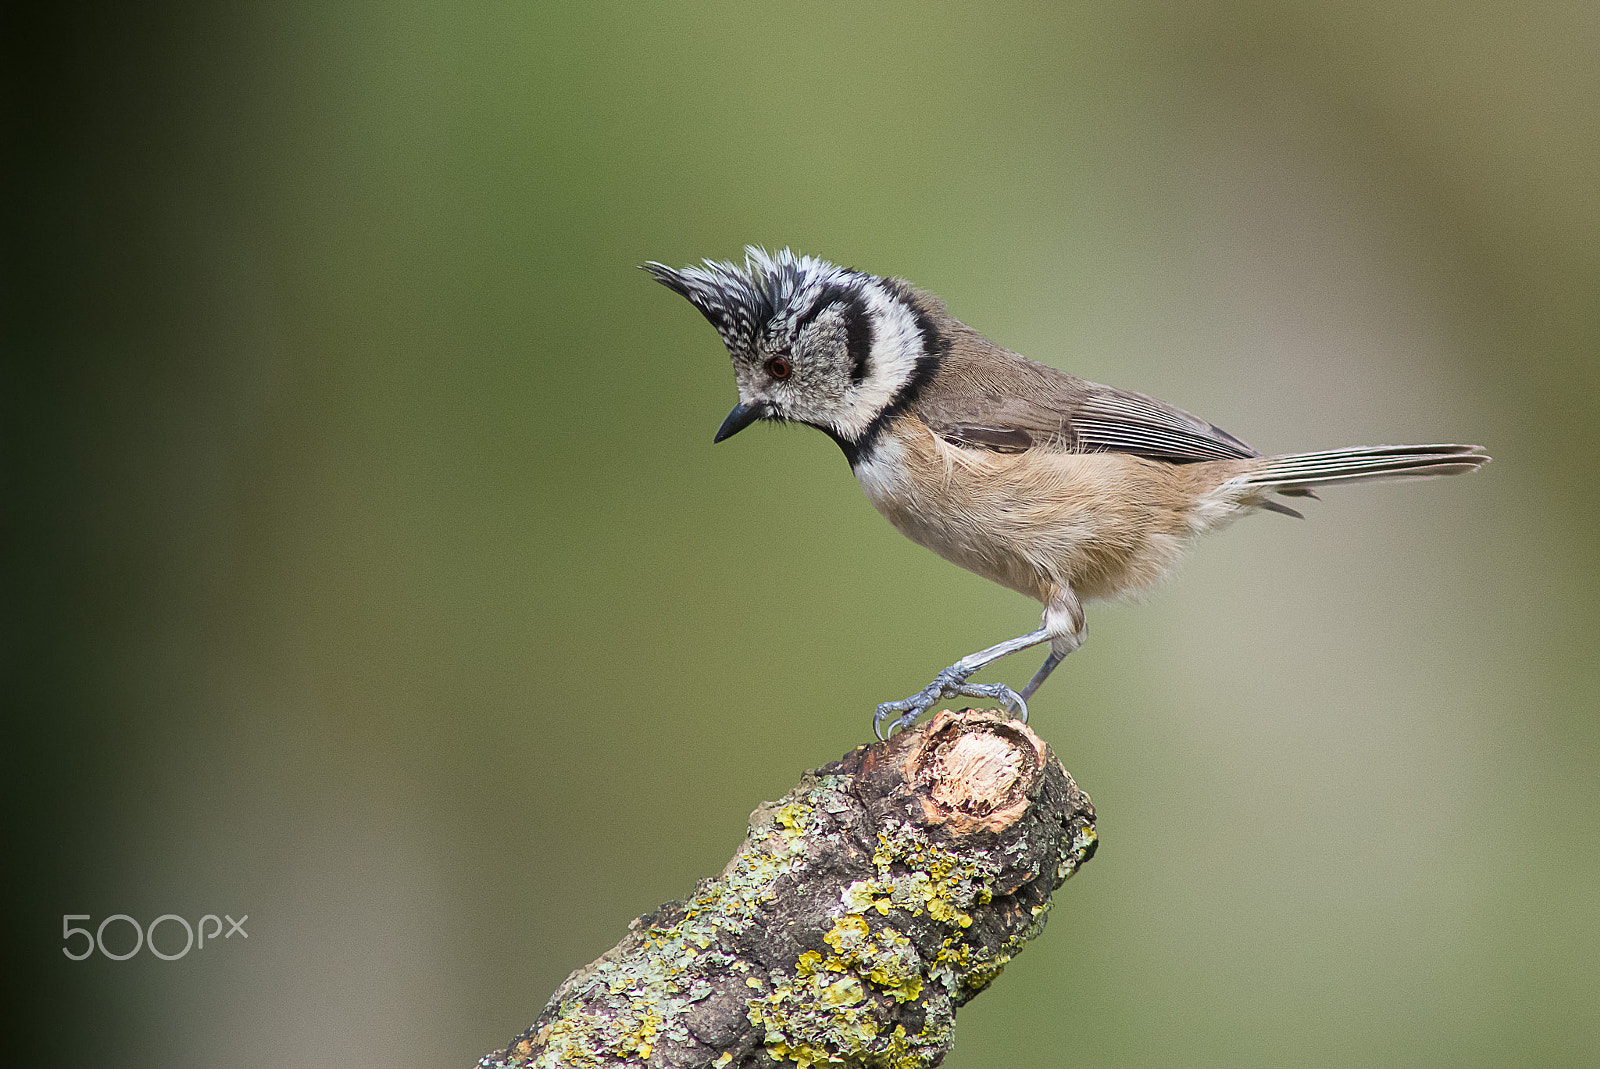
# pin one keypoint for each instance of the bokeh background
(372, 572)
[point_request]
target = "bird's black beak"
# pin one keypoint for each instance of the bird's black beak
(741, 417)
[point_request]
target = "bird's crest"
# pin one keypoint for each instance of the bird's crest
(742, 301)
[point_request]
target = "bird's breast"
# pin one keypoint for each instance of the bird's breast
(938, 506)
(1101, 523)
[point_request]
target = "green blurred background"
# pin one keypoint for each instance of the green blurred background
(373, 574)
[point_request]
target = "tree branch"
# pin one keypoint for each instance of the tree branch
(883, 892)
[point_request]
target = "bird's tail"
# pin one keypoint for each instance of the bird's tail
(1296, 473)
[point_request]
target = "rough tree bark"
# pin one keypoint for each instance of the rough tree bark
(883, 892)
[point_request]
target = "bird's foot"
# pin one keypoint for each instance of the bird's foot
(949, 683)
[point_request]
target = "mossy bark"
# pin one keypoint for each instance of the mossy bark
(883, 892)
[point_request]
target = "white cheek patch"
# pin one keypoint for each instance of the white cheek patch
(896, 347)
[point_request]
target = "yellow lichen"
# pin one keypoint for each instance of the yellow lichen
(847, 931)
(900, 986)
(860, 895)
(793, 817)
(845, 992)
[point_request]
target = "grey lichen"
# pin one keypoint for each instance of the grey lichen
(857, 916)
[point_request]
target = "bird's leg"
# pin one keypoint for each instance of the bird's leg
(1063, 629)
(1063, 618)
(952, 683)
(1050, 662)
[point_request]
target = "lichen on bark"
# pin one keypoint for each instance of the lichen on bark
(862, 910)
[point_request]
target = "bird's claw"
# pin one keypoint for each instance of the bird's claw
(946, 684)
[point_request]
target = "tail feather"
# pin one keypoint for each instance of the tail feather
(1296, 472)
(1281, 509)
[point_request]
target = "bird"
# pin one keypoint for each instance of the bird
(1058, 488)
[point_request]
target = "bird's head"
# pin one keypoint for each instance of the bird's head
(811, 342)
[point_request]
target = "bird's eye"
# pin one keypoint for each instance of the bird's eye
(779, 368)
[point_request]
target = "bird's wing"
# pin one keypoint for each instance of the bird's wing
(1047, 409)
(1120, 421)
